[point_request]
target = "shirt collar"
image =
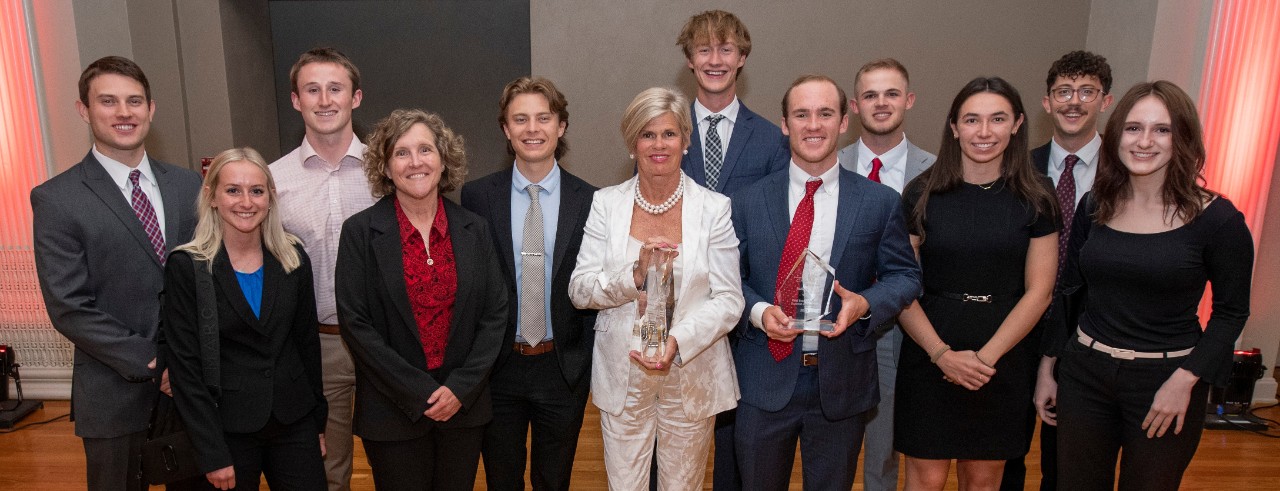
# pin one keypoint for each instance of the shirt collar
(355, 150)
(549, 183)
(1088, 153)
(889, 159)
(439, 226)
(729, 112)
(119, 172)
(797, 178)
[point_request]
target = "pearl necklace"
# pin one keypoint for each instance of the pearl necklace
(653, 209)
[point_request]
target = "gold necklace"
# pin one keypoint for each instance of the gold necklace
(987, 186)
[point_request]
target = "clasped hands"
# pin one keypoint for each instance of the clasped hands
(965, 368)
(777, 325)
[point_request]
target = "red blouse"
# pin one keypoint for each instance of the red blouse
(431, 279)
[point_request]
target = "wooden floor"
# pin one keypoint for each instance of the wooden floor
(50, 458)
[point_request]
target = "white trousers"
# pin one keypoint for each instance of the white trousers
(654, 410)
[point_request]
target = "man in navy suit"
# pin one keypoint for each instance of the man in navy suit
(799, 385)
(882, 96)
(732, 148)
(1077, 92)
(716, 45)
(541, 383)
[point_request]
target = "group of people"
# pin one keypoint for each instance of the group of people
(970, 292)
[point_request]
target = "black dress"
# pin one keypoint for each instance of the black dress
(976, 242)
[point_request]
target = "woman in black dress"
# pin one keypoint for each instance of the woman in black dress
(1136, 368)
(984, 226)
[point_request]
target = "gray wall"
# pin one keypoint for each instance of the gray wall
(602, 54)
(452, 58)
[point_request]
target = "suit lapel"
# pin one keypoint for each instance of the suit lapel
(693, 222)
(848, 206)
(386, 247)
(100, 183)
(174, 208)
(273, 278)
(571, 198)
(500, 204)
(693, 163)
(778, 214)
(225, 277)
(742, 130)
(917, 162)
(468, 264)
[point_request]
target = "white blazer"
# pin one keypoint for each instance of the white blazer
(708, 301)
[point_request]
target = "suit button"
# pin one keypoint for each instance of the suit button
(266, 373)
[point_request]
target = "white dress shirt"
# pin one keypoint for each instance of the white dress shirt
(119, 173)
(893, 164)
(821, 237)
(1085, 169)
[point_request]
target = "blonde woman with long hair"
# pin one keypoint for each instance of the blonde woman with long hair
(268, 416)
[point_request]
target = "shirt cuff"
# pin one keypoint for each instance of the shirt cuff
(757, 314)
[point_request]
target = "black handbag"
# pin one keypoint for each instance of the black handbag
(168, 456)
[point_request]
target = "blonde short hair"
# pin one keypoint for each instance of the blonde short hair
(650, 104)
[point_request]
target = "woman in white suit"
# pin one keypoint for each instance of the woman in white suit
(671, 399)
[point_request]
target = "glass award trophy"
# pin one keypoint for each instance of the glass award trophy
(810, 278)
(657, 303)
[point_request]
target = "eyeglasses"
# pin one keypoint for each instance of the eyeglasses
(1085, 94)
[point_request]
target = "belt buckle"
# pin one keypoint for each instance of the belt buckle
(1123, 354)
(977, 298)
(809, 359)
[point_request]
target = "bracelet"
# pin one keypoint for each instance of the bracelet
(937, 353)
(985, 364)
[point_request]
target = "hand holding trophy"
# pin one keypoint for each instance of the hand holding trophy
(655, 307)
(805, 293)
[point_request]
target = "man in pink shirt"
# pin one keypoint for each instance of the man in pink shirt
(320, 184)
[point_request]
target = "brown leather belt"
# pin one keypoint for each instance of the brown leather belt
(329, 329)
(809, 359)
(524, 349)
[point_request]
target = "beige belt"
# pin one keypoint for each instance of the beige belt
(1126, 354)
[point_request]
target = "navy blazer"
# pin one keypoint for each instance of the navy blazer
(490, 197)
(1040, 158)
(872, 256)
(269, 363)
(757, 148)
(392, 380)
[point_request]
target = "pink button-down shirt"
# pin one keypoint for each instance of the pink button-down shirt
(315, 198)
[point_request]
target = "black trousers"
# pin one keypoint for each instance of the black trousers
(1015, 470)
(287, 454)
(530, 394)
(443, 460)
(1101, 404)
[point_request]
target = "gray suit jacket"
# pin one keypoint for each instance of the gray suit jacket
(101, 283)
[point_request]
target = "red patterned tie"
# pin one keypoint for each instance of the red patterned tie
(147, 215)
(797, 242)
(874, 175)
(1067, 204)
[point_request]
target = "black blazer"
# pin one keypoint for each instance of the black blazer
(270, 365)
(392, 380)
(490, 197)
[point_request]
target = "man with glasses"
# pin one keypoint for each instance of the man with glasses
(1079, 91)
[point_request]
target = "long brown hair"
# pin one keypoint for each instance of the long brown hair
(1016, 170)
(1183, 181)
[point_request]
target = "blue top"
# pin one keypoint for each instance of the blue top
(251, 285)
(549, 200)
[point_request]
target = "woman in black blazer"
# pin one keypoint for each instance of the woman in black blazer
(269, 414)
(423, 308)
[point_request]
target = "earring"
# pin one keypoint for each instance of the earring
(631, 156)
(686, 151)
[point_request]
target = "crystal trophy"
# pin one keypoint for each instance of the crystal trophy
(809, 279)
(657, 303)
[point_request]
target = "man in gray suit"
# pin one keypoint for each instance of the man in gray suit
(881, 97)
(102, 231)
